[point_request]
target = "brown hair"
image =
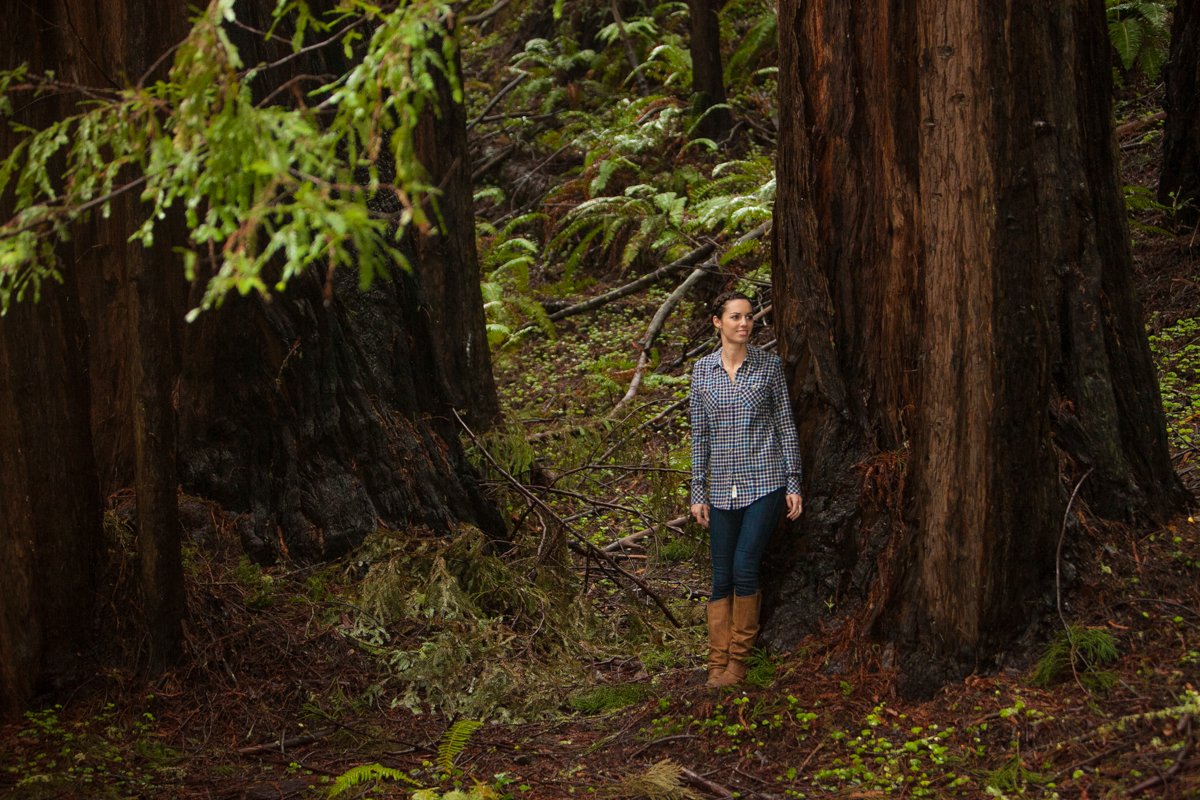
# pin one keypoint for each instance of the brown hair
(718, 305)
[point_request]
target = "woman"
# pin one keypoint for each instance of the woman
(745, 469)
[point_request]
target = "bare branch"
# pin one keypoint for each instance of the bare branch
(621, 544)
(589, 548)
(508, 87)
(652, 332)
(484, 16)
(697, 255)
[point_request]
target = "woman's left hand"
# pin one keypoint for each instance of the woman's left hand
(795, 504)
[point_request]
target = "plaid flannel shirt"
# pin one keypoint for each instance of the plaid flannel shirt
(744, 441)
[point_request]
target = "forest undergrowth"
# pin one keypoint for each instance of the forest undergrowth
(566, 662)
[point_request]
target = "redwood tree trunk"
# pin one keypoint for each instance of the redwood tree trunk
(447, 264)
(954, 297)
(1179, 182)
(708, 78)
(50, 520)
(320, 417)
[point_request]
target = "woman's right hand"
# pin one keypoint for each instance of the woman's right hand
(700, 513)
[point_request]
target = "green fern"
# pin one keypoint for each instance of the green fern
(752, 46)
(669, 63)
(454, 742)
(368, 773)
(1140, 31)
(740, 197)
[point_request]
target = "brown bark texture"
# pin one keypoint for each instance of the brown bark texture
(708, 76)
(324, 412)
(954, 297)
(50, 517)
(1179, 181)
(447, 265)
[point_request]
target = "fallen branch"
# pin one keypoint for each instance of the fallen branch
(660, 317)
(483, 168)
(484, 16)
(691, 259)
(705, 783)
(282, 745)
(629, 50)
(508, 87)
(589, 548)
(621, 544)
(1138, 125)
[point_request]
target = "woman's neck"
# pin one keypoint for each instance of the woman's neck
(733, 354)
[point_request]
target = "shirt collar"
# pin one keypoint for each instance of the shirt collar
(753, 356)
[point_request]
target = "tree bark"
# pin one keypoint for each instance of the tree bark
(50, 520)
(1179, 181)
(956, 314)
(708, 77)
(318, 416)
(447, 264)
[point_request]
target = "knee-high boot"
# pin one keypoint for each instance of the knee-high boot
(741, 638)
(719, 630)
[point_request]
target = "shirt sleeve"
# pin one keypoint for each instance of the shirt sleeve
(700, 441)
(785, 424)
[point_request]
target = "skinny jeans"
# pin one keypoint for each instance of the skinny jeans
(738, 538)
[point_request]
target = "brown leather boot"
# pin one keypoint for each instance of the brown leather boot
(741, 639)
(719, 621)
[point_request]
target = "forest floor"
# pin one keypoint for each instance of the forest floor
(295, 684)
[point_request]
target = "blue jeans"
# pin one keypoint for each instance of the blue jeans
(738, 539)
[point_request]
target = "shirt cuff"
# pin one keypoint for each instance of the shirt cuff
(699, 494)
(793, 484)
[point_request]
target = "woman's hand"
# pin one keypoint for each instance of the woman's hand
(700, 513)
(795, 504)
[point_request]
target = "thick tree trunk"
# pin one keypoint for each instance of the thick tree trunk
(130, 298)
(1179, 182)
(49, 507)
(708, 77)
(320, 420)
(319, 417)
(953, 290)
(447, 264)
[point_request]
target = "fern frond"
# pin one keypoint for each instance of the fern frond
(1127, 35)
(368, 773)
(454, 742)
(758, 40)
(520, 221)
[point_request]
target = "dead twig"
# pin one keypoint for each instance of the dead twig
(691, 259)
(591, 549)
(656, 324)
(1184, 752)
(1058, 573)
(621, 544)
(704, 783)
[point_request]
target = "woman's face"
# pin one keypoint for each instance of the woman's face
(735, 323)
